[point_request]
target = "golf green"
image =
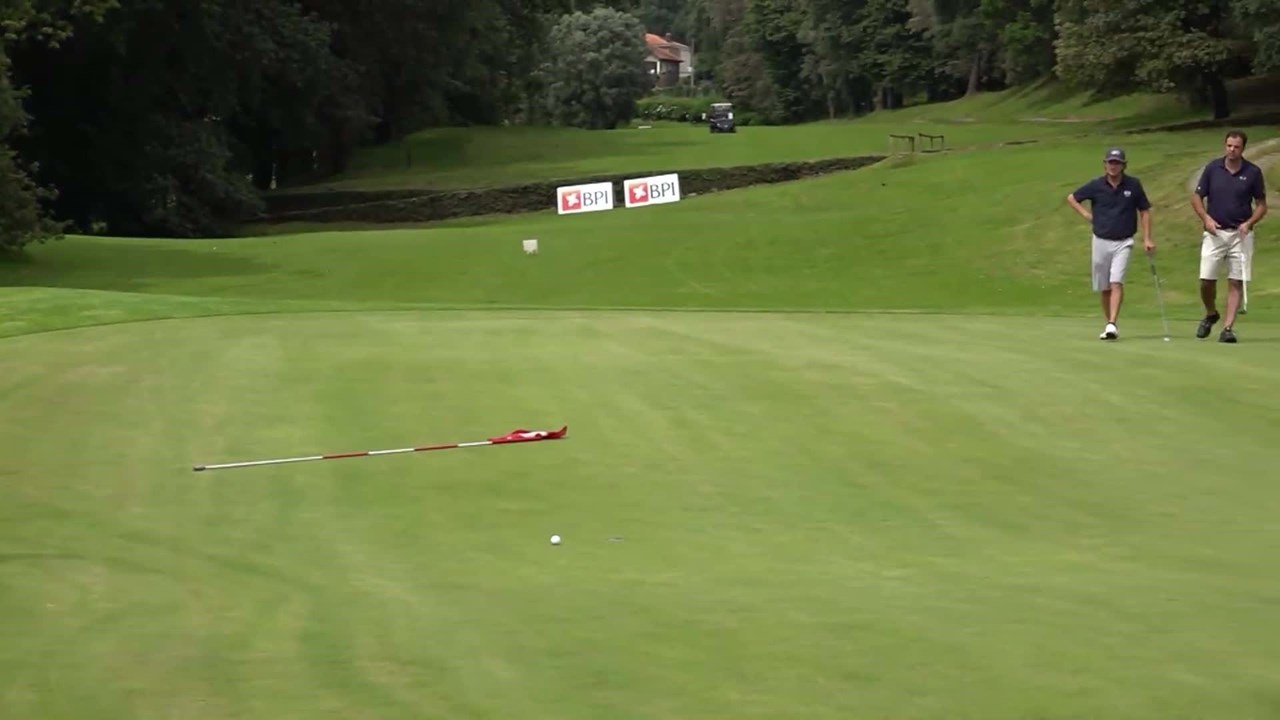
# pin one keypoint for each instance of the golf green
(764, 515)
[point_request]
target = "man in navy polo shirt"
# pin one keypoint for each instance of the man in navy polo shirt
(1237, 197)
(1118, 202)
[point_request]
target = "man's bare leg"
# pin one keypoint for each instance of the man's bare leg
(1116, 299)
(1209, 296)
(1235, 289)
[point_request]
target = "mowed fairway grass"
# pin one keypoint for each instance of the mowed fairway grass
(859, 460)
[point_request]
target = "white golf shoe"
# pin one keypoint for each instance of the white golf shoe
(1110, 332)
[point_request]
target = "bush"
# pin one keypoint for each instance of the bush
(594, 73)
(675, 108)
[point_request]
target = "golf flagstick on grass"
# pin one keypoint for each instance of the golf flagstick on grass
(515, 436)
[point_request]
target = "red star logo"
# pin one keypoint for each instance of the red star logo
(639, 192)
(570, 200)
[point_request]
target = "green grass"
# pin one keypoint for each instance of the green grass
(475, 157)
(925, 490)
(984, 232)
(450, 158)
(820, 516)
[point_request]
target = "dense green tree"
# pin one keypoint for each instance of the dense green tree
(774, 28)
(1022, 45)
(1260, 20)
(595, 69)
(23, 220)
(155, 119)
(662, 16)
(1157, 45)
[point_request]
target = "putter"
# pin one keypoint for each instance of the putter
(1155, 277)
(1244, 309)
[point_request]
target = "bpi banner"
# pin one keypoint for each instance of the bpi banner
(594, 197)
(654, 190)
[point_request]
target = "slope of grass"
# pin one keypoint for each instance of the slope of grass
(764, 516)
(449, 158)
(982, 232)
(473, 157)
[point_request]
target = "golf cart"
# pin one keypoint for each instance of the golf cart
(720, 119)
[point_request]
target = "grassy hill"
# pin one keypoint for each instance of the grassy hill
(980, 232)
(476, 157)
(845, 447)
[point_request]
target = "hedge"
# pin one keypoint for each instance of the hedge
(400, 206)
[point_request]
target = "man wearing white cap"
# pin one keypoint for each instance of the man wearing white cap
(1117, 201)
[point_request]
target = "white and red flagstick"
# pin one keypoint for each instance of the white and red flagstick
(515, 436)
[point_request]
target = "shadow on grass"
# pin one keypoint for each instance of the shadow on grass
(37, 556)
(127, 266)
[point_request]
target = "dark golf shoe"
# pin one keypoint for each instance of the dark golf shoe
(1228, 336)
(1202, 331)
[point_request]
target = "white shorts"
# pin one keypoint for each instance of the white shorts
(1110, 261)
(1231, 246)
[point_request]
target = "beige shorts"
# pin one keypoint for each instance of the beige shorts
(1227, 246)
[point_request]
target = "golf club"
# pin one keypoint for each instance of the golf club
(1159, 297)
(515, 436)
(1244, 308)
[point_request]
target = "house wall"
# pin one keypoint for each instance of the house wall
(686, 61)
(664, 72)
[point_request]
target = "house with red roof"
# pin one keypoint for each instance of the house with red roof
(668, 62)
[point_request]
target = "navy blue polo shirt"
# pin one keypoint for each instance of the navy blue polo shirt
(1115, 209)
(1231, 195)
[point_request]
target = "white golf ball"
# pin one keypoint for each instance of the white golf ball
(555, 539)
(1166, 339)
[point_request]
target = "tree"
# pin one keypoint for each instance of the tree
(1025, 35)
(963, 36)
(1155, 45)
(1262, 17)
(896, 58)
(596, 69)
(152, 120)
(661, 16)
(22, 218)
(829, 30)
(774, 28)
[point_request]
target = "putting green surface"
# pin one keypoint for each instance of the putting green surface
(764, 515)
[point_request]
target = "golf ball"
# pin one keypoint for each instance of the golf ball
(555, 539)
(1166, 339)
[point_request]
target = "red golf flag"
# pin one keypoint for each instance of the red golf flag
(526, 435)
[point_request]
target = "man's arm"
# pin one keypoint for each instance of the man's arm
(1144, 216)
(1082, 193)
(1197, 204)
(1197, 201)
(1259, 212)
(1259, 205)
